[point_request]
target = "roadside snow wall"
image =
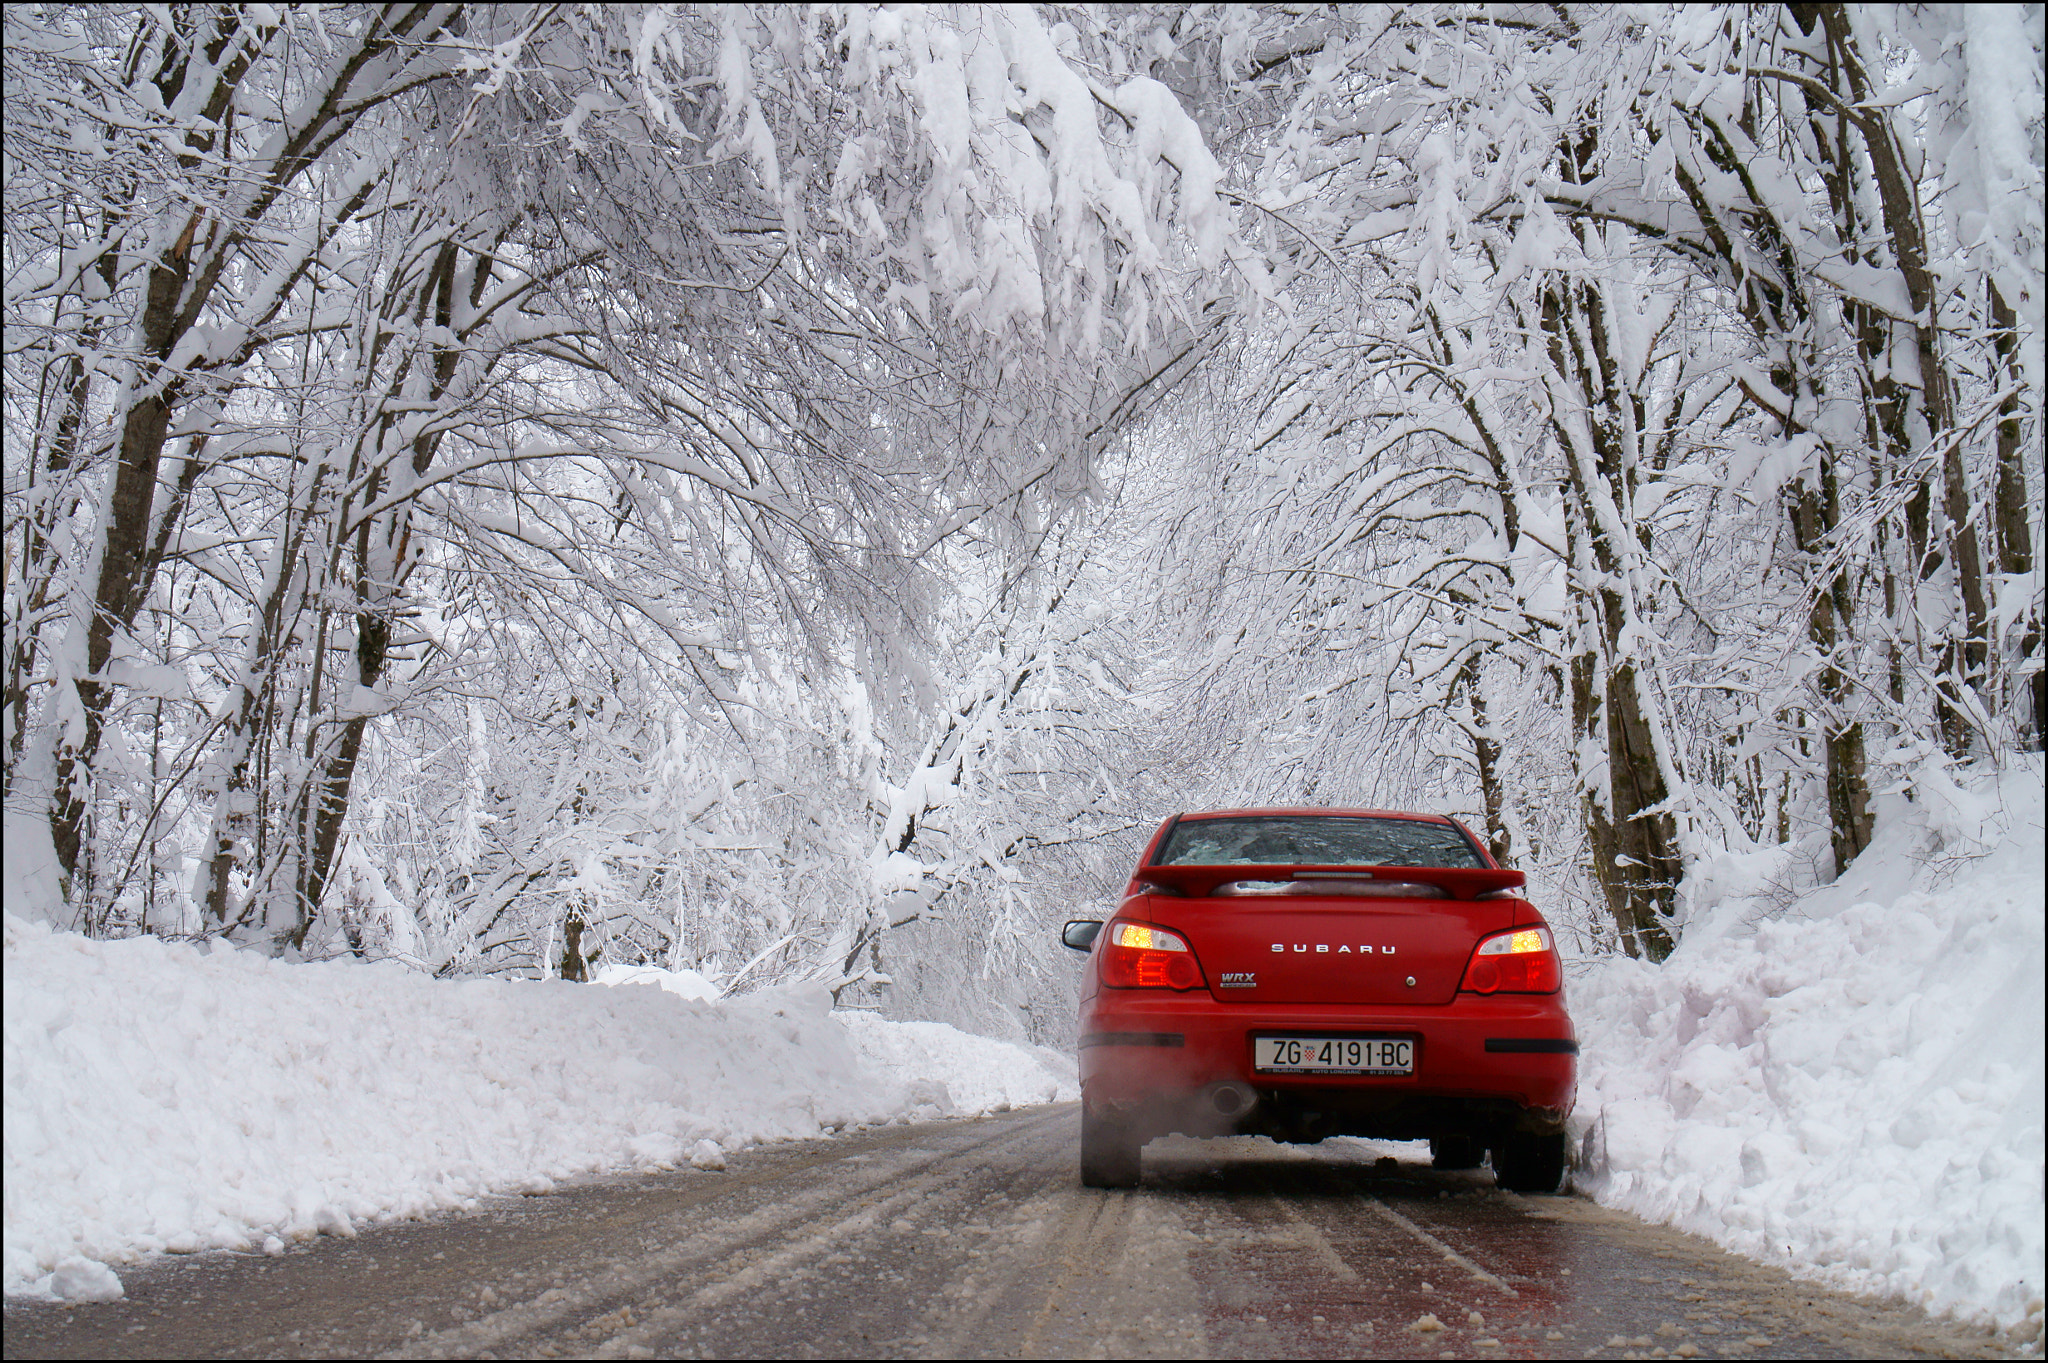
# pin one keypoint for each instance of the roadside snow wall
(164, 1097)
(1849, 1085)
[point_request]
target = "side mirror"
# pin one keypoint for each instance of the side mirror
(1080, 933)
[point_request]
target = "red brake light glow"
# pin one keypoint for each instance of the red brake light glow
(1520, 961)
(1140, 956)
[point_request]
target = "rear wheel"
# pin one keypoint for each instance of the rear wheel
(1109, 1153)
(1529, 1163)
(1456, 1152)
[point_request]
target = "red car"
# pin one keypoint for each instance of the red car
(1304, 973)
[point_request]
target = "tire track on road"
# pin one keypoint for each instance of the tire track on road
(1071, 1270)
(1053, 1228)
(599, 1299)
(974, 1239)
(1379, 1207)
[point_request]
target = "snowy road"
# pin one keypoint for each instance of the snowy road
(974, 1238)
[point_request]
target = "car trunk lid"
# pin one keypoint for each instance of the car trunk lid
(1268, 934)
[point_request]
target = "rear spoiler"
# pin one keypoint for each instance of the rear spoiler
(1200, 881)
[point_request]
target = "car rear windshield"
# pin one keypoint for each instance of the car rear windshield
(1315, 840)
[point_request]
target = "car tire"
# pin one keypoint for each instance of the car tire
(1456, 1152)
(1109, 1153)
(1529, 1163)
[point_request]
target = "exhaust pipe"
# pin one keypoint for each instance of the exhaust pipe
(1232, 1100)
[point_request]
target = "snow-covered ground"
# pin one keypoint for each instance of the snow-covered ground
(1849, 1084)
(162, 1097)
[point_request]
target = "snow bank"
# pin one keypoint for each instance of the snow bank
(979, 1074)
(164, 1097)
(1852, 1085)
(957, 1072)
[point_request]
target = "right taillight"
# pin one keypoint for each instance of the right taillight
(1140, 956)
(1518, 961)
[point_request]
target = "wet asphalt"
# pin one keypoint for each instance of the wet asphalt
(974, 1239)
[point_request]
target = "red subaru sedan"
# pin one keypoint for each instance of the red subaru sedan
(1305, 973)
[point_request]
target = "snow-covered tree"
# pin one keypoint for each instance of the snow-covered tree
(796, 492)
(362, 356)
(1572, 297)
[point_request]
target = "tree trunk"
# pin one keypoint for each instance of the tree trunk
(124, 567)
(1633, 835)
(233, 818)
(1786, 320)
(2015, 553)
(573, 966)
(380, 566)
(1815, 512)
(1486, 754)
(1964, 653)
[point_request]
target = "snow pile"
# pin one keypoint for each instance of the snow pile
(165, 1097)
(979, 1074)
(686, 983)
(1851, 1086)
(956, 1072)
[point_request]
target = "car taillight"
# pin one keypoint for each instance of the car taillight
(1139, 956)
(1522, 961)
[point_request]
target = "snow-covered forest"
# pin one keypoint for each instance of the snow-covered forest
(797, 494)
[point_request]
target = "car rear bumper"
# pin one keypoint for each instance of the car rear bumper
(1182, 1062)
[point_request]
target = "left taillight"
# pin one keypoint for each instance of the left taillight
(1140, 956)
(1519, 961)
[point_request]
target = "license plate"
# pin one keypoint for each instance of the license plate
(1332, 1055)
